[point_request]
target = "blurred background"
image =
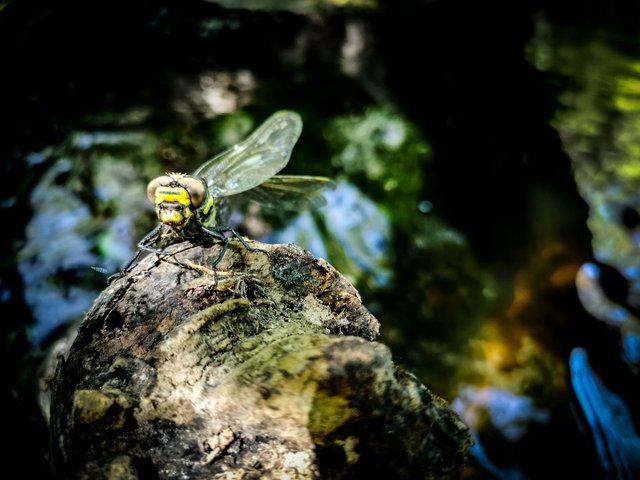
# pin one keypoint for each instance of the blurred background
(487, 161)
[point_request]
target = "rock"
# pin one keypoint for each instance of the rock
(266, 368)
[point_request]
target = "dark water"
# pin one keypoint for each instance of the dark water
(487, 161)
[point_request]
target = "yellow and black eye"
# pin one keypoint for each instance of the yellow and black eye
(196, 190)
(153, 185)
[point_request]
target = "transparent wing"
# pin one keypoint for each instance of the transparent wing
(257, 158)
(291, 192)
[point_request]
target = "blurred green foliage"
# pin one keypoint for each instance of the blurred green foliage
(385, 154)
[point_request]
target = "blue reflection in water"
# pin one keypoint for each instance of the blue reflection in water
(631, 272)
(616, 441)
(5, 294)
(56, 245)
(115, 243)
(302, 231)
(501, 473)
(88, 140)
(594, 299)
(509, 413)
(615, 241)
(596, 302)
(631, 347)
(35, 158)
(357, 224)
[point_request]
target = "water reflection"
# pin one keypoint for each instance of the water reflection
(56, 253)
(484, 408)
(84, 208)
(358, 227)
(609, 420)
(437, 302)
(598, 125)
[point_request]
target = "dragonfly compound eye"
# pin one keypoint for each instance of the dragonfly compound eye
(196, 190)
(154, 184)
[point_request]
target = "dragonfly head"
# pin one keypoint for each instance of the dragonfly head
(176, 197)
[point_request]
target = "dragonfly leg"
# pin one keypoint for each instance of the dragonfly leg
(143, 245)
(159, 252)
(219, 233)
(225, 245)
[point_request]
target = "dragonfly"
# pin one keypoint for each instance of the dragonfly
(187, 205)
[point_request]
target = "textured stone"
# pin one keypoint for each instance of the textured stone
(267, 369)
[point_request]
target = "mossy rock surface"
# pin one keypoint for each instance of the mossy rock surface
(266, 369)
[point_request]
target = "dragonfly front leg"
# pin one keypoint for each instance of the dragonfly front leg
(219, 233)
(143, 245)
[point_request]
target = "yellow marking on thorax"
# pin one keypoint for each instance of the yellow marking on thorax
(208, 205)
